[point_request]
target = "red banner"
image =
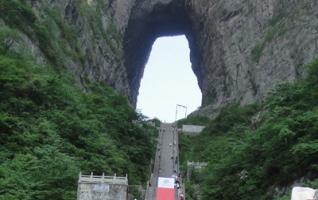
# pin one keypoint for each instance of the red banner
(165, 194)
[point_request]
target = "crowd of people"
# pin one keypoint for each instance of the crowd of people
(178, 187)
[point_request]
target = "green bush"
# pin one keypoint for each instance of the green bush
(18, 15)
(7, 38)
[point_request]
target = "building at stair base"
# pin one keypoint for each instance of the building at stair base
(92, 187)
(192, 130)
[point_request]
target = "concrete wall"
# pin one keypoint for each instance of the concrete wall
(192, 130)
(101, 191)
(191, 166)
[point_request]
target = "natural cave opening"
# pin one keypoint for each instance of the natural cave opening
(168, 80)
(146, 24)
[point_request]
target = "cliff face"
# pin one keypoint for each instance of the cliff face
(248, 46)
(83, 36)
(239, 49)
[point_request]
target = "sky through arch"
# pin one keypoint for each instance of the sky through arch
(168, 80)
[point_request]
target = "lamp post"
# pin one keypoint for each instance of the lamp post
(182, 106)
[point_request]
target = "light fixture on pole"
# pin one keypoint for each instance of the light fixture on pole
(182, 106)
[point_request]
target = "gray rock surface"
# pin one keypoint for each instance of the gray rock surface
(249, 46)
(240, 49)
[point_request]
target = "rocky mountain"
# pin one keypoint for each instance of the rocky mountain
(240, 49)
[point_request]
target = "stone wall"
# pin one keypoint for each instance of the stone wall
(192, 130)
(101, 191)
(94, 187)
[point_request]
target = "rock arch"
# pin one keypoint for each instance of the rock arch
(147, 22)
(232, 55)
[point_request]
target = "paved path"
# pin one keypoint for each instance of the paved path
(166, 161)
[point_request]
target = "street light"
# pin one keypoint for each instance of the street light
(182, 106)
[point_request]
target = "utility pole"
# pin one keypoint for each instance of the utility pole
(182, 106)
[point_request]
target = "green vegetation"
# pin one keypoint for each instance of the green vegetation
(254, 150)
(64, 35)
(55, 37)
(7, 38)
(277, 28)
(94, 15)
(18, 15)
(51, 130)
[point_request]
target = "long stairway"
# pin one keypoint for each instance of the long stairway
(167, 159)
(92, 187)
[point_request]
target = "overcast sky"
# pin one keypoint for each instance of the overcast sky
(168, 80)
